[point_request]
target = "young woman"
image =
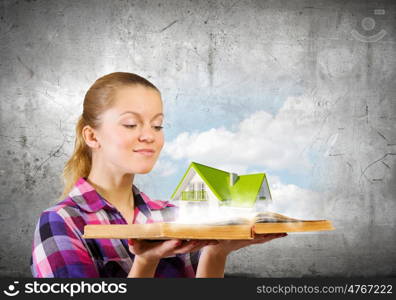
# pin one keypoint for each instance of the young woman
(118, 135)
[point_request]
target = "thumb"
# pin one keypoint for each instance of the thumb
(130, 245)
(171, 244)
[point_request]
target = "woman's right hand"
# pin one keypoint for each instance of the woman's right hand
(152, 252)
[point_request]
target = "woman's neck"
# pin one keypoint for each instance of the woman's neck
(115, 189)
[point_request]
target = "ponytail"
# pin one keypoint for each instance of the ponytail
(79, 164)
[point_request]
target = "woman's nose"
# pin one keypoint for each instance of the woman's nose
(146, 134)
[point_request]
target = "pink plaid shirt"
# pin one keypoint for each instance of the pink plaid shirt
(59, 250)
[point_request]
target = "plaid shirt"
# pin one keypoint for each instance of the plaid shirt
(59, 251)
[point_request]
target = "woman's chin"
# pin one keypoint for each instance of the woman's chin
(143, 170)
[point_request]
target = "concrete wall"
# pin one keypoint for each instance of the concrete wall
(219, 58)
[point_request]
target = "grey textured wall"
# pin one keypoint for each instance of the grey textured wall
(229, 53)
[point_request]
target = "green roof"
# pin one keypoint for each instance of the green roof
(245, 190)
(243, 193)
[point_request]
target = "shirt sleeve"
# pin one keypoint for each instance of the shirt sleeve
(57, 250)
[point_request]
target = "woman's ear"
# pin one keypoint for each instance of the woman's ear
(90, 137)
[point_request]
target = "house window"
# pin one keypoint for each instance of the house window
(200, 193)
(195, 192)
(188, 194)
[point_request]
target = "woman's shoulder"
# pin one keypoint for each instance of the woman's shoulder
(61, 207)
(64, 213)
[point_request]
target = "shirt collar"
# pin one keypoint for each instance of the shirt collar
(89, 200)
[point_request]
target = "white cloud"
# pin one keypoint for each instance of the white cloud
(164, 168)
(294, 201)
(276, 142)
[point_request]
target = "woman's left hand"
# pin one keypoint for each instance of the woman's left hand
(225, 247)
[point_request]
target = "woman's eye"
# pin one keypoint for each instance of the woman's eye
(158, 127)
(130, 126)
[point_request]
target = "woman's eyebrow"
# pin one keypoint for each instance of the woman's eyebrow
(138, 115)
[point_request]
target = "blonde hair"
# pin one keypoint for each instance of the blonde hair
(98, 99)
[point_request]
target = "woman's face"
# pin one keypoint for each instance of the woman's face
(130, 135)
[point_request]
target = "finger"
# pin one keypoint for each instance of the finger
(137, 248)
(172, 244)
(268, 235)
(262, 238)
(143, 245)
(131, 241)
(131, 244)
(268, 238)
(212, 242)
(277, 235)
(203, 244)
(167, 247)
(196, 248)
(209, 242)
(189, 246)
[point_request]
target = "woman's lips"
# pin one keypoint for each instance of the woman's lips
(145, 152)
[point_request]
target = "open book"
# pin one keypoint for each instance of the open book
(237, 228)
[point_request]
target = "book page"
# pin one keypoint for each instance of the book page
(219, 221)
(270, 217)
